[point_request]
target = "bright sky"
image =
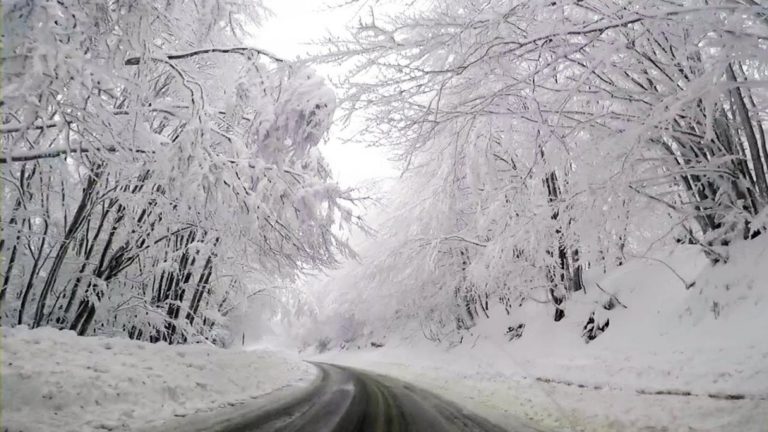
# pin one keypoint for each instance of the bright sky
(289, 34)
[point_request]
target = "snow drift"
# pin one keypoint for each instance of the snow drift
(56, 380)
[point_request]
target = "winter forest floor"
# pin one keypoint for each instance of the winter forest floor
(56, 380)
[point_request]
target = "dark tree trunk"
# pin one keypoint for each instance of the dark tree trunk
(563, 277)
(78, 219)
(202, 286)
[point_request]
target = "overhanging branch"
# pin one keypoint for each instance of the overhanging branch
(133, 61)
(55, 152)
(13, 128)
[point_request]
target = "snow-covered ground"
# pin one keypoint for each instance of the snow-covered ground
(55, 380)
(674, 359)
(686, 350)
(499, 393)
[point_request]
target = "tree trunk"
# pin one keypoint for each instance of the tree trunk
(749, 132)
(78, 219)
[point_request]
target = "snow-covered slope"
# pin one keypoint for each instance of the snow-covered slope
(686, 349)
(499, 390)
(55, 380)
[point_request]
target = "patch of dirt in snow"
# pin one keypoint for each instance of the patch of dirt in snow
(56, 380)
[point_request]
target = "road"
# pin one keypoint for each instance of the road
(347, 400)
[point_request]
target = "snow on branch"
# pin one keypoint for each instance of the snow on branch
(53, 152)
(17, 127)
(133, 61)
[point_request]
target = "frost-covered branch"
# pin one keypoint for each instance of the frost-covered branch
(133, 61)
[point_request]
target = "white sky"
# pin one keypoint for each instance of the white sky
(289, 34)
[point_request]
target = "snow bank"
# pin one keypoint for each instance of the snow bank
(689, 339)
(55, 380)
(495, 389)
(707, 339)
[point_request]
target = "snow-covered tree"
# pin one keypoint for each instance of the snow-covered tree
(157, 170)
(542, 137)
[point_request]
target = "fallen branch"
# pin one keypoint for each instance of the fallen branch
(688, 285)
(612, 296)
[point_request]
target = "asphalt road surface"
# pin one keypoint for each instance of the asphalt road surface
(347, 400)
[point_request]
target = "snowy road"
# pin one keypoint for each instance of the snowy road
(349, 399)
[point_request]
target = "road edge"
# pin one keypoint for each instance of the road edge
(262, 409)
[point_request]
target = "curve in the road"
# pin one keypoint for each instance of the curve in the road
(351, 400)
